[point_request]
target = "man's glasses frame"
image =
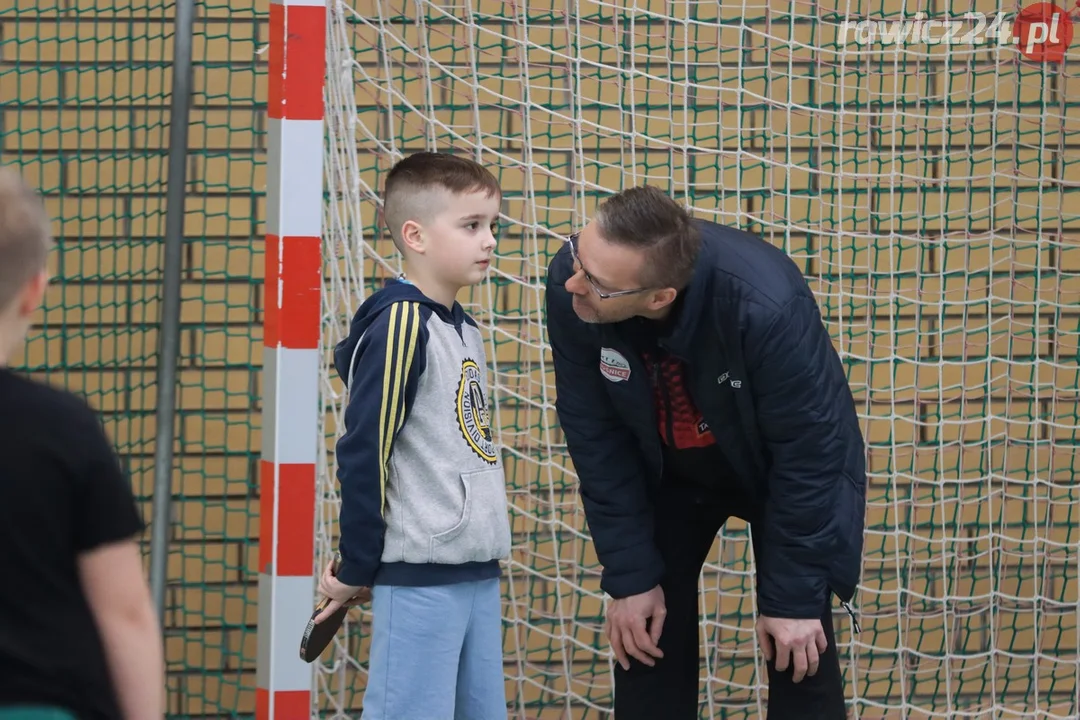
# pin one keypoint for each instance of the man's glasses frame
(572, 242)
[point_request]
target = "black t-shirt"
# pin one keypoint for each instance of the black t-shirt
(61, 493)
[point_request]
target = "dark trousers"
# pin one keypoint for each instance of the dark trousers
(686, 527)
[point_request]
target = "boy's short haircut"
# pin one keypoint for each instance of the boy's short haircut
(25, 235)
(409, 185)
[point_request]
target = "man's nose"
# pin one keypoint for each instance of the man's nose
(575, 284)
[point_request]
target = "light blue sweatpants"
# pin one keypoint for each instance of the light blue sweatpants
(436, 653)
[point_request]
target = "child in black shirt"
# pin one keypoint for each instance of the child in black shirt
(78, 633)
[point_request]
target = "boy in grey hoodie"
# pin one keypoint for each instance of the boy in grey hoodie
(423, 495)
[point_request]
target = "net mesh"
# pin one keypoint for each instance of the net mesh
(86, 92)
(929, 194)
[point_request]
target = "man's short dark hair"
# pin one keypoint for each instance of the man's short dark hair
(407, 194)
(25, 235)
(647, 219)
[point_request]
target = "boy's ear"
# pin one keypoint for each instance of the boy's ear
(412, 236)
(33, 293)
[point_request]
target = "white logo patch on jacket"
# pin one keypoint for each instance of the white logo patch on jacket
(613, 365)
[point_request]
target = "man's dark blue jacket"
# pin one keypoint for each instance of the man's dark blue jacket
(762, 370)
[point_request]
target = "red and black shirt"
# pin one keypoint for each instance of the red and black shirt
(691, 454)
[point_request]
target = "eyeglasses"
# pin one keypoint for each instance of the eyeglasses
(572, 242)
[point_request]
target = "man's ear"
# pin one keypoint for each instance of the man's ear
(33, 293)
(660, 299)
(412, 236)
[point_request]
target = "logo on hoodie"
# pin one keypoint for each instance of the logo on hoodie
(474, 420)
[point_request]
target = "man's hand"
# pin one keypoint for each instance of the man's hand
(626, 627)
(801, 641)
(339, 593)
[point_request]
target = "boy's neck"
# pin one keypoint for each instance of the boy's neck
(441, 293)
(6, 348)
(12, 336)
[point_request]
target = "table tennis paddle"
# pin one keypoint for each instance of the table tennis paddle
(318, 635)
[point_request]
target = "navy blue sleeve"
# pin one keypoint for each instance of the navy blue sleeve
(389, 362)
(800, 393)
(604, 452)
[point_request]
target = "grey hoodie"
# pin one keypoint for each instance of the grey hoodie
(423, 493)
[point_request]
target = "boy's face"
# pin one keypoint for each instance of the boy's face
(459, 239)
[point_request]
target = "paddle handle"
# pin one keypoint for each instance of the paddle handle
(333, 571)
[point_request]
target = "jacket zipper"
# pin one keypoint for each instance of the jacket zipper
(660, 454)
(665, 400)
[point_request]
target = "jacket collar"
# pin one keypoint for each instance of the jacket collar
(696, 303)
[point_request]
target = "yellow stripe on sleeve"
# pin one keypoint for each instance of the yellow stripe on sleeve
(402, 337)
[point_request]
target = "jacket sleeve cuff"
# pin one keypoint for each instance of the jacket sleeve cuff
(800, 598)
(621, 585)
(355, 575)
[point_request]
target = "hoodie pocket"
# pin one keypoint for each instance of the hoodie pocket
(483, 532)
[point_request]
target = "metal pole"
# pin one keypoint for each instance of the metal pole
(170, 305)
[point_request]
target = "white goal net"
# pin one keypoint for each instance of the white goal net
(925, 192)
